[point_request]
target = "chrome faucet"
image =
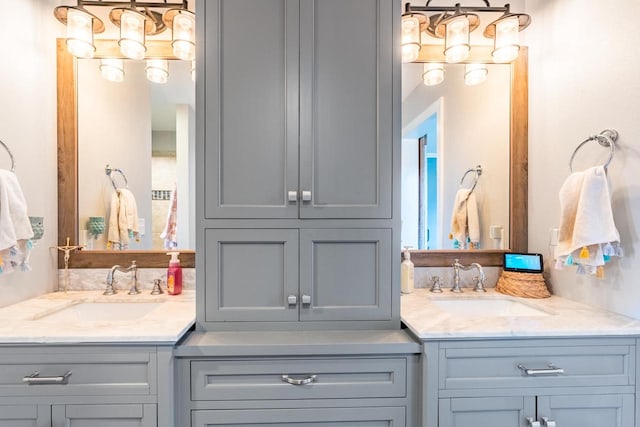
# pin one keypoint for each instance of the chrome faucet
(479, 287)
(133, 268)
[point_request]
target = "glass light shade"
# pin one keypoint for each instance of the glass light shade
(507, 40)
(112, 69)
(433, 74)
(456, 43)
(158, 70)
(193, 71)
(410, 38)
(184, 36)
(474, 74)
(132, 35)
(80, 34)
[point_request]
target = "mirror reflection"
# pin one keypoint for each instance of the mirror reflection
(455, 159)
(136, 145)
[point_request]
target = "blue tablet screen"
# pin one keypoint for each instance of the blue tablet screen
(523, 262)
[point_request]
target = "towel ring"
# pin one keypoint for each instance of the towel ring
(13, 161)
(606, 138)
(477, 171)
(108, 170)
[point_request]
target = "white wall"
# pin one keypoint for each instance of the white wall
(28, 127)
(584, 76)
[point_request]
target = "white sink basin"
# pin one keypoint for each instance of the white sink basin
(479, 307)
(101, 311)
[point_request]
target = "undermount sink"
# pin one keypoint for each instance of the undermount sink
(479, 307)
(101, 311)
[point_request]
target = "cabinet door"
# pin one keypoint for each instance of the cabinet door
(25, 416)
(335, 417)
(610, 410)
(250, 273)
(104, 416)
(345, 274)
(486, 411)
(346, 114)
(251, 108)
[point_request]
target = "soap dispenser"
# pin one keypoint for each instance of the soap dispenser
(406, 273)
(174, 275)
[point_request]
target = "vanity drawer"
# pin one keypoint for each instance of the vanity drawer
(262, 379)
(92, 373)
(493, 365)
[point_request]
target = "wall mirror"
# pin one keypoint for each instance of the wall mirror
(453, 130)
(147, 145)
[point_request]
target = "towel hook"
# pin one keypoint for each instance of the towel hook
(108, 170)
(477, 171)
(13, 161)
(606, 138)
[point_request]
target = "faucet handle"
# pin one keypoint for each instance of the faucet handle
(479, 284)
(157, 289)
(436, 287)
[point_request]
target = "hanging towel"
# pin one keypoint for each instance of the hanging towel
(15, 227)
(123, 219)
(588, 235)
(169, 234)
(465, 223)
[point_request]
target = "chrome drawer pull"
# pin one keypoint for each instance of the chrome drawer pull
(546, 422)
(531, 423)
(551, 370)
(294, 381)
(35, 378)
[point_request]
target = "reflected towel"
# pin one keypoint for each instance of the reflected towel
(587, 233)
(123, 219)
(169, 234)
(465, 223)
(15, 227)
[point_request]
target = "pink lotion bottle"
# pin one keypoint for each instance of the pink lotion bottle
(174, 275)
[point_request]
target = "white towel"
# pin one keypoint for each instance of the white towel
(169, 234)
(587, 230)
(465, 222)
(123, 219)
(15, 227)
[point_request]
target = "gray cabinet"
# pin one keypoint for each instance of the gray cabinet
(298, 108)
(306, 275)
(504, 383)
(104, 416)
(25, 416)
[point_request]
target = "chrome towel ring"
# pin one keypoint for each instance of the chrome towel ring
(109, 170)
(606, 138)
(13, 161)
(477, 171)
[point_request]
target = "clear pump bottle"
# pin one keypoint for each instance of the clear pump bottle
(406, 273)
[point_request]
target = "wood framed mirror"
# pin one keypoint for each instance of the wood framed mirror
(68, 218)
(518, 165)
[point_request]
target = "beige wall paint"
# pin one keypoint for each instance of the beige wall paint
(28, 127)
(583, 78)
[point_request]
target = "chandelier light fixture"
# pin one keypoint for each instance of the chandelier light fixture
(454, 24)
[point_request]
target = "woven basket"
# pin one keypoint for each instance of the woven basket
(527, 285)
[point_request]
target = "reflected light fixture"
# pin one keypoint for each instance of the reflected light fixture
(81, 26)
(505, 32)
(157, 70)
(112, 69)
(433, 73)
(183, 25)
(474, 74)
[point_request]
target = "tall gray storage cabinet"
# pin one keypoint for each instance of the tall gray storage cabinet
(298, 153)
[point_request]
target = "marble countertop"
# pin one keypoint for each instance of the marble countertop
(559, 318)
(27, 322)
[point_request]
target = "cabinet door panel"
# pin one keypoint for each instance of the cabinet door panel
(347, 274)
(346, 108)
(104, 416)
(25, 416)
(486, 411)
(251, 116)
(336, 417)
(614, 410)
(250, 273)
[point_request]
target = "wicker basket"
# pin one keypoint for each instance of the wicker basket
(527, 285)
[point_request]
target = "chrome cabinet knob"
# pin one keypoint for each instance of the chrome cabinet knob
(546, 422)
(306, 196)
(292, 300)
(306, 299)
(292, 196)
(532, 423)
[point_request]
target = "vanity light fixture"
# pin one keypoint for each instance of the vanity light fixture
(157, 70)
(81, 25)
(454, 24)
(474, 74)
(112, 69)
(183, 25)
(433, 73)
(133, 28)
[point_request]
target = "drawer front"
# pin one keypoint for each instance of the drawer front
(262, 379)
(87, 374)
(504, 367)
